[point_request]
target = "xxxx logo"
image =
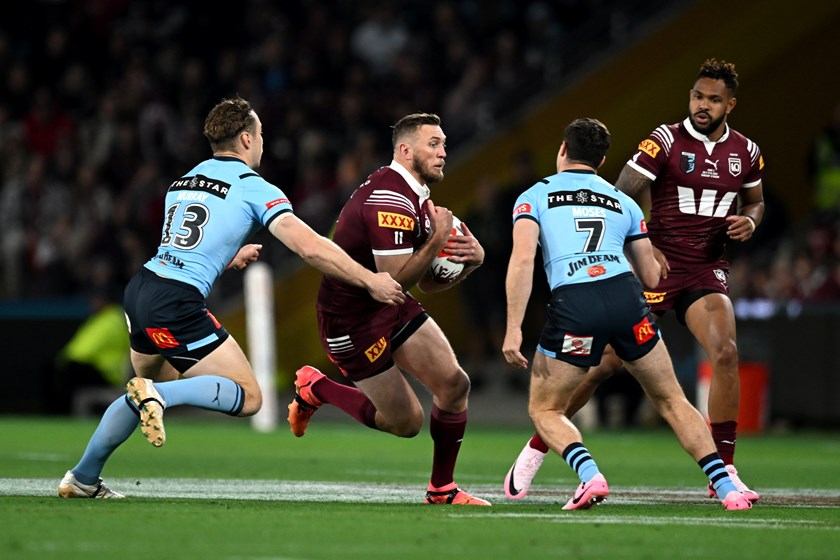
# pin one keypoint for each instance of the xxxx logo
(376, 350)
(655, 297)
(395, 221)
(649, 147)
(162, 338)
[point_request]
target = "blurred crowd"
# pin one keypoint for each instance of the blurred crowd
(104, 106)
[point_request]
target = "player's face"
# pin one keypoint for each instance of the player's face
(429, 154)
(709, 102)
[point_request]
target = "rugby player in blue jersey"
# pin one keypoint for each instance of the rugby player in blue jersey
(181, 354)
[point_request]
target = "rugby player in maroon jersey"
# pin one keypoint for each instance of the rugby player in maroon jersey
(390, 224)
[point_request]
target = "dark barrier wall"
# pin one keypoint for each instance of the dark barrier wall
(30, 346)
(800, 352)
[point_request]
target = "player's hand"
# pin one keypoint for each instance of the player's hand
(465, 248)
(385, 289)
(740, 228)
(440, 219)
(511, 349)
(665, 267)
(247, 254)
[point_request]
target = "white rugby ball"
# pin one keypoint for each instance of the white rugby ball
(443, 270)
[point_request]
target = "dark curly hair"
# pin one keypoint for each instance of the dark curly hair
(720, 70)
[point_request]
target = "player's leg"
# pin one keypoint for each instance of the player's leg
(712, 322)
(552, 384)
(117, 424)
(656, 374)
(429, 357)
(521, 474)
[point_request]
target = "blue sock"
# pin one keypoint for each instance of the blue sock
(577, 456)
(210, 392)
(714, 468)
(117, 424)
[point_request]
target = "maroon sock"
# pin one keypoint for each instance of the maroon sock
(447, 430)
(724, 435)
(538, 444)
(349, 399)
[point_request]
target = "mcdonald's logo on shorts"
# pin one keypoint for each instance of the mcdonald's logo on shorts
(376, 350)
(644, 331)
(162, 338)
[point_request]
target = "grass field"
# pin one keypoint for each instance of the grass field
(220, 490)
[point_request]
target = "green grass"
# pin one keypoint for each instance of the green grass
(798, 517)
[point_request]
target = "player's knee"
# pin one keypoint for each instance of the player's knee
(726, 357)
(253, 400)
(410, 425)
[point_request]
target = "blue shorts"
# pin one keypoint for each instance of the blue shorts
(583, 318)
(170, 318)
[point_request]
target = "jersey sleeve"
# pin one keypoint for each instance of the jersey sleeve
(526, 206)
(638, 227)
(756, 172)
(265, 200)
(652, 153)
(391, 224)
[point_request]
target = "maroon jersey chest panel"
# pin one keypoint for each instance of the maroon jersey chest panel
(695, 189)
(384, 215)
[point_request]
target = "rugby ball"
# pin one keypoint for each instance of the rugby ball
(443, 270)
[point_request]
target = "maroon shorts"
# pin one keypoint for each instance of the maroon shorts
(362, 345)
(686, 283)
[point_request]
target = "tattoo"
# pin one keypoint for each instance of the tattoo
(631, 182)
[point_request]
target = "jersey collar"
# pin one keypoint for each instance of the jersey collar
(702, 137)
(422, 190)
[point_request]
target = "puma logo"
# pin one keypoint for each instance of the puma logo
(713, 163)
(218, 390)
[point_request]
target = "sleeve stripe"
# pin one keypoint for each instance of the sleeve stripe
(641, 170)
(278, 214)
(636, 237)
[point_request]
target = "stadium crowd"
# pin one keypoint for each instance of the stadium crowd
(101, 110)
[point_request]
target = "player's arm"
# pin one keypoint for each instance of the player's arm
(750, 212)
(518, 285)
(636, 186)
(645, 266)
(321, 253)
(410, 269)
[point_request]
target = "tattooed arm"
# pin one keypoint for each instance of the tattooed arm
(636, 186)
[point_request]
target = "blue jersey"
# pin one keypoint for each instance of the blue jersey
(210, 213)
(584, 223)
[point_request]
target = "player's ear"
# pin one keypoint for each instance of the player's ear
(731, 105)
(603, 159)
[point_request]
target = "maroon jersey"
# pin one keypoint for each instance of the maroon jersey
(695, 186)
(386, 215)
